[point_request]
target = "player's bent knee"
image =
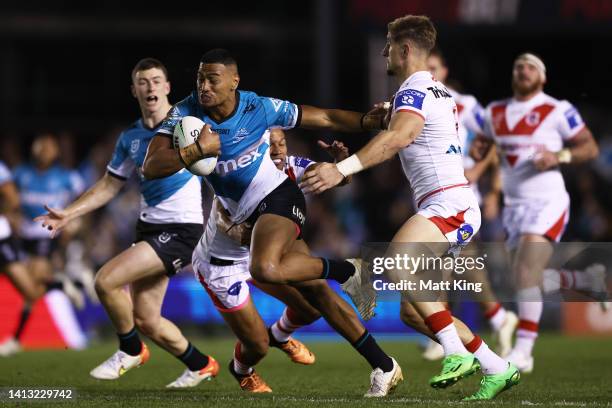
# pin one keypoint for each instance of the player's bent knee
(266, 272)
(103, 282)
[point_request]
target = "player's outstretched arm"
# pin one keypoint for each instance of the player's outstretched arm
(162, 160)
(98, 195)
(404, 128)
(340, 120)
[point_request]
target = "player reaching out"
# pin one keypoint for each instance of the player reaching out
(251, 189)
(423, 130)
(168, 229)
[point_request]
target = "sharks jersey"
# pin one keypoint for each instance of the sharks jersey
(173, 199)
(55, 187)
(245, 173)
(5, 177)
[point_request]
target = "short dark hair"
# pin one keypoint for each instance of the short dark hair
(437, 52)
(218, 56)
(417, 29)
(149, 63)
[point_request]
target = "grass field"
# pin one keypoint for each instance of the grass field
(568, 372)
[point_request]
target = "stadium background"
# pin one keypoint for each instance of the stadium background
(66, 67)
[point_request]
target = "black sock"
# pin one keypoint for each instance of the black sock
(366, 346)
(272, 341)
(339, 271)
(23, 318)
(54, 285)
(130, 342)
(193, 358)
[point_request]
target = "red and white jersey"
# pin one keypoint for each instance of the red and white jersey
(522, 129)
(433, 162)
(296, 166)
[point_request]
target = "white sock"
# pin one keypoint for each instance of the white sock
(450, 341)
(497, 319)
(239, 367)
(490, 362)
(551, 281)
(530, 311)
(283, 328)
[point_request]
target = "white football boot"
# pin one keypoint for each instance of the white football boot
(9, 347)
(192, 378)
(521, 361)
(381, 383)
(433, 351)
(503, 336)
(119, 363)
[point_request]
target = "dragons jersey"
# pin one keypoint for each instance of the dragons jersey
(217, 243)
(521, 129)
(173, 199)
(434, 160)
(245, 173)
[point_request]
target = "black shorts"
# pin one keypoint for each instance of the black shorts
(10, 251)
(40, 247)
(173, 243)
(286, 200)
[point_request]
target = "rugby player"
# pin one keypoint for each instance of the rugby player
(471, 115)
(251, 189)
(422, 130)
(535, 135)
(167, 231)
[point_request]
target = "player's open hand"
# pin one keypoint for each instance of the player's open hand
(337, 150)
(209, 141)
(55, 220)
(545, 160)
(321, 178)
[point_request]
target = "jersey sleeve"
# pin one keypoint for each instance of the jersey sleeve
(570, 122)
(299, 165)
(487, 123)
(76, 182)
(280, 114)
(5, 174)
(121, 165)
(178, 111)
(473, 120)
(411, 100)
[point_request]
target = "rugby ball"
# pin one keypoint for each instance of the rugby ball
(186, 133)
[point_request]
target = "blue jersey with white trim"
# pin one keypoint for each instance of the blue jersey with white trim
(244, 173)
(55, 187)
(173, 199)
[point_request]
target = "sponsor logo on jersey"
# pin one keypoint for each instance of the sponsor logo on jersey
(240, 134)
(464, 233)
(250, 108)
(573, 118)
(439, 93)
(134, 146)
(302, 162)
(221, 131)
(409, 97)
(234, 290)
(454, 149)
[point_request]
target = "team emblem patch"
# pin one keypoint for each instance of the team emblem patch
(533, 118)
(164, 237)
(134, 146)
(234, 290)
(464, 233)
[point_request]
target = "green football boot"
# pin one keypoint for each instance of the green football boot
(454, 368)
(493, 384)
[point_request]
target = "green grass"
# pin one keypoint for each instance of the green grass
(568, 372)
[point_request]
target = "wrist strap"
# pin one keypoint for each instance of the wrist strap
(350, 165)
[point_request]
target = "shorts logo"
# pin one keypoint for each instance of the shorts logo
(234, 290)
(177, 264)
(164, 237)
(262, 207)
(297, 213)
(464, 233)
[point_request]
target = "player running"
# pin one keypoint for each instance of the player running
(471, 115)
(221, 263)
(530, 131)
(422, 130)
(168, 229)
(251, 189)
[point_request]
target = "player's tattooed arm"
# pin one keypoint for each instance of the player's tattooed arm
(581, 148)
(163, 160)
(404, 128)
(338, 120)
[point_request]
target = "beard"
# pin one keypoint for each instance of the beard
(526, 89)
